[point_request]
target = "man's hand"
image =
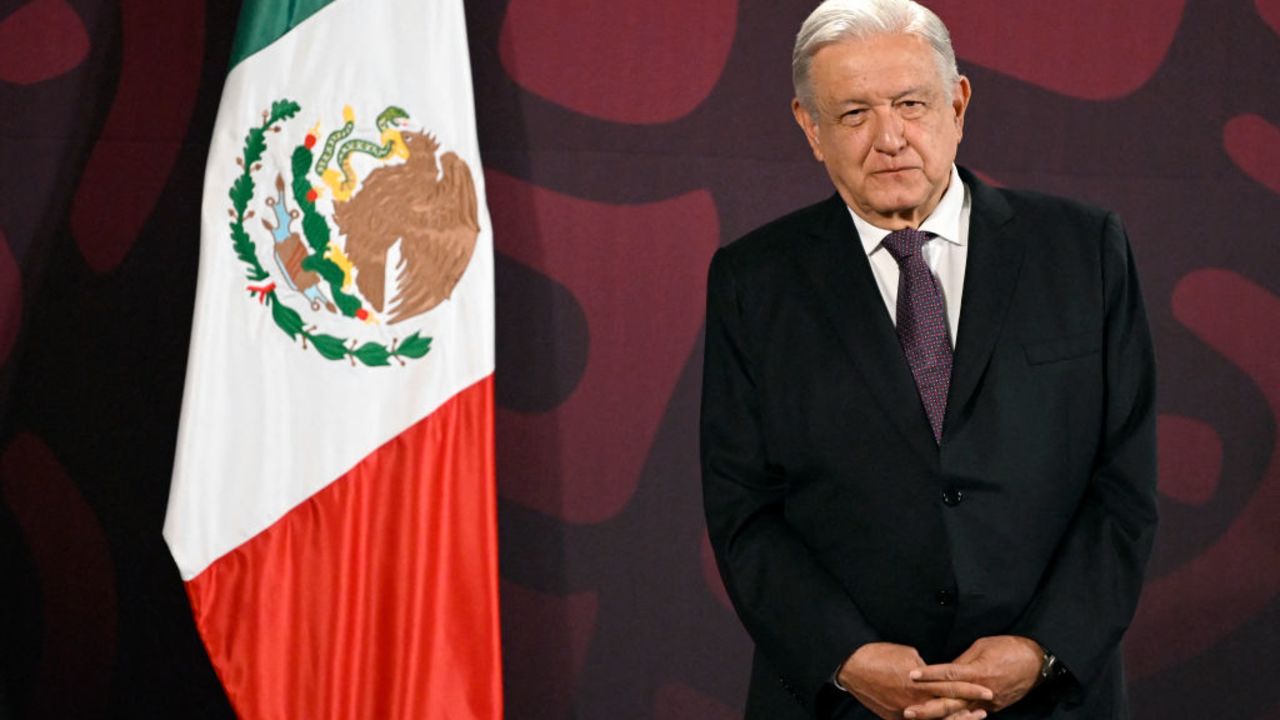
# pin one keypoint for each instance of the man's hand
(1007, 664)
(879, 676)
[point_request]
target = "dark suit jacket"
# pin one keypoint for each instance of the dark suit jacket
(835, 517)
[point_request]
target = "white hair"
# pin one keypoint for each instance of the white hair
(837, 20)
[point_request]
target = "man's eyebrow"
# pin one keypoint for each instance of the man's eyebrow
(850, 104)
(918, 90)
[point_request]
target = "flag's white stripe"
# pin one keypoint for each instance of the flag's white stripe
(266, 424)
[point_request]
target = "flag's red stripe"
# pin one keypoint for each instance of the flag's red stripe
(378, 596)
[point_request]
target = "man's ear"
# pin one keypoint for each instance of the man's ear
(960, 102)
(809, 124)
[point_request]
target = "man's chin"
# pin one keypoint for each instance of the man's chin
(896, 191)
(896, 206)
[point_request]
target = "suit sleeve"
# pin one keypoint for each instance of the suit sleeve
(1090, 592)
(795, 611)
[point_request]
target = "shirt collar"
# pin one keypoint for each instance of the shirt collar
(943, 222)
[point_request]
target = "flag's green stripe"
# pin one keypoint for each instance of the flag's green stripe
(262, 22)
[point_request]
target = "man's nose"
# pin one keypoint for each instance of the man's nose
(891, 132)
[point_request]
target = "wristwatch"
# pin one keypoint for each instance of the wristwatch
(1050, 668)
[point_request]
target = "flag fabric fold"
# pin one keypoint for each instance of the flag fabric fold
(332, 511)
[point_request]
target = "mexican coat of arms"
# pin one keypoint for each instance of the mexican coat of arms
(361, 231)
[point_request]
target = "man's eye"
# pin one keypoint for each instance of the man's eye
(853, 117)
(912, 108)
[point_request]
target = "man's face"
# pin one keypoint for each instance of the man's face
(884, 125)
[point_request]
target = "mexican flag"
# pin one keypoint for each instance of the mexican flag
(332, 511)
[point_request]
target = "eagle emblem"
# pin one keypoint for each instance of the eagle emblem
(428, 208)
(361, 233)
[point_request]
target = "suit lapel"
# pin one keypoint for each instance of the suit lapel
(842, 278)
(991, 274)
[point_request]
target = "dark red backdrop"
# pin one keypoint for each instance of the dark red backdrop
(623, 142)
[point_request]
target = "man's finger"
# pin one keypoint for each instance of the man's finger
(954, 689)
(935, 709)
(967, 715)
(947, 671)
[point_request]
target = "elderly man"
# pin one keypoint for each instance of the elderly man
(928, 416)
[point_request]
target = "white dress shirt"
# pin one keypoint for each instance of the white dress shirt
(945, 253)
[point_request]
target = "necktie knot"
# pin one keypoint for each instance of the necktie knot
(904, 243)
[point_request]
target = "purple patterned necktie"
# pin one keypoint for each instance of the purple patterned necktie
(922, 324)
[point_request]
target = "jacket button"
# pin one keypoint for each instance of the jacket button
(952, 497)
(945, 598)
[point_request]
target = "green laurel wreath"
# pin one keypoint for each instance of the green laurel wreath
(316, 230)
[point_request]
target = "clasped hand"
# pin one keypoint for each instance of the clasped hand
(894, 682)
